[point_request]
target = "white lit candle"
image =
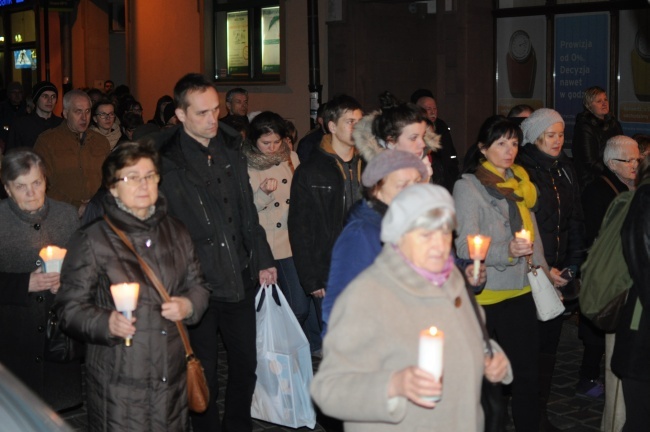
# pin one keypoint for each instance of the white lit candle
(523, 234)
(52, 257)
(478, 246)
(125, 296)
(430, 354)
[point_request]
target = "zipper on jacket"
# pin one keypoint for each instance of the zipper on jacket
(559, 215)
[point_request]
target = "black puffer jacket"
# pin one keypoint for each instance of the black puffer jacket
(631, 358)
(142, 387)
(316, 216)
(590, 134)
(559, 211)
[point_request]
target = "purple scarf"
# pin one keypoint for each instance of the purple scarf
(435, 278)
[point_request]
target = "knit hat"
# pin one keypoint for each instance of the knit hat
(538, 122)
(388, 161)
(41, 87)
(410, 204)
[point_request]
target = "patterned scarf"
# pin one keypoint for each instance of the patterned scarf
(260, 161)
(518, 190)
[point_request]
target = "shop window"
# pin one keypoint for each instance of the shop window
(248, 41)
(23, 27)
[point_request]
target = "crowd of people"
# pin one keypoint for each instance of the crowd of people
(364, 224)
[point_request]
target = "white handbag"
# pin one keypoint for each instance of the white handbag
(547, 300)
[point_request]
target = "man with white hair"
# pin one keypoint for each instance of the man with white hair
(73, 155)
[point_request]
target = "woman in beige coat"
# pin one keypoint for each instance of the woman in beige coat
(271, 164)
(368, 377)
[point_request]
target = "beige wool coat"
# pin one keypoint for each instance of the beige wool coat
(374, 332)
(273, 210)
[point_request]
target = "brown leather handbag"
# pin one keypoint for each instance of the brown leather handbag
(198, 394)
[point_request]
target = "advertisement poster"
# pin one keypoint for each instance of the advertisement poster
(521, 56)
(581, 61)
(237, 24)
(271, 40)
(634, 72)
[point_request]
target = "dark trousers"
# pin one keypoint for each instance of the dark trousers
(637, 403)
(513, 324)
(593, 340)
(236, 321)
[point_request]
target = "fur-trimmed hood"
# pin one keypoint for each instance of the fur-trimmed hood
(369, 145)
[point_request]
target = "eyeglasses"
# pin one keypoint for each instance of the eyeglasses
(630, 161)
(135, 180)
(104, 116)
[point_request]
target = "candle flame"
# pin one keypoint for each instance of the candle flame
(433, 331)
(478, 241)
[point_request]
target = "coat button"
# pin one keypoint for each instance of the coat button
(164, 379)
(164, 333)
(225, 200)
(219, 180)
(148, 243)
(38, 359)
(278, 225)
(223, 245)
(229, 220)
(40, 299)
(287, 201)
(37, 227)
(458, 302)
(41, 329)
(284, 181)
(39, 263)
(277, 204)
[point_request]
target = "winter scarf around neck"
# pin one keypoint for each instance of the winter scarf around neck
(518, 190)
(260, 161)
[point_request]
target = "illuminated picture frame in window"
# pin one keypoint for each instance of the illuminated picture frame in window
(238, 53)
(25, 59)
(271, 40)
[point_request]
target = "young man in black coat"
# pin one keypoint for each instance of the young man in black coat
(205, 181)
(323, 190)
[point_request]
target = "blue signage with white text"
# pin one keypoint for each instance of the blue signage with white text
(581, 61)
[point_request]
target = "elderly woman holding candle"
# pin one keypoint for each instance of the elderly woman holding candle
(378, 373)
(495, 198)
(142, 386)
(31, 222)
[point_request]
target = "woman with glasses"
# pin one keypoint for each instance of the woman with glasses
(104, 121)
(142, 386)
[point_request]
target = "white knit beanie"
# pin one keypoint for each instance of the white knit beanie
(410, 204)
(538, 122)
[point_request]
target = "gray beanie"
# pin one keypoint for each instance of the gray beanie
(410, 204)
(538, 122)
(388, 161)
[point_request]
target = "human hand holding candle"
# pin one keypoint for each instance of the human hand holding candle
(478, 246)
(125, 296)
(52, 257)
(521, 245)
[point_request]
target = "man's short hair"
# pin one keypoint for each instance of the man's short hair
(233, 92)
(189, 83)
(337, 106)
(67, 98)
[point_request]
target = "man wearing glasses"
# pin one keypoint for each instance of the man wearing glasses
(27, 128)
(73, 155)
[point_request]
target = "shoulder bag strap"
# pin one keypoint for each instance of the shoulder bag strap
(155, 281)
(609, 182)
(486, 337)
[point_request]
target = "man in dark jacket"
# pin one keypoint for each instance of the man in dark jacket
(323, 190)
(27, 128)
(445, 159)
(205, 181)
